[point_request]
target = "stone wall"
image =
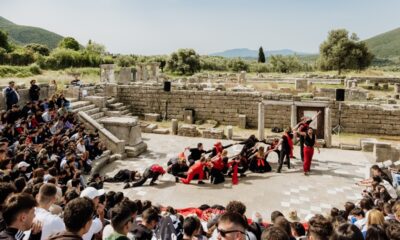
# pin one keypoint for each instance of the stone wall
(367, 119)
(223, 107)
(350, 94)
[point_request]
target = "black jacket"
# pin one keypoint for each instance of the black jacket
(142, 233)
(12, 233)
(34, 92)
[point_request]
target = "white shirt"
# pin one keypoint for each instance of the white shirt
(80, 148)
(51, 223)
(46, 116)
(96, 227)
(389, 188)
(108, 230)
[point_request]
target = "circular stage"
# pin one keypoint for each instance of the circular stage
(331, 183)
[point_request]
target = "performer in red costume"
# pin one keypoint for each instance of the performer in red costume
(310, 141)
(196, 169)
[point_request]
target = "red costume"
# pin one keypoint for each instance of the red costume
(309, 143)
(290, 142)
(196, 169)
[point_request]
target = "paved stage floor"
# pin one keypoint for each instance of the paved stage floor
(331, 184)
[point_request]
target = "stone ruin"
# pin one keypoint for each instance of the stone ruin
(107, 73)
(144, 75)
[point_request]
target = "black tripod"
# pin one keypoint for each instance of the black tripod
(338, 128)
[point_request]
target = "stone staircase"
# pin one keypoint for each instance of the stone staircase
(114, 108)
(118, 107)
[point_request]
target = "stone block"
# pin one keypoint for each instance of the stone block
(213, 133)
(242, 121)
(367, 144)
(188, 131)
(161, 131)
(150, 128)
(152, 117)
(188, 116)
(382, 151)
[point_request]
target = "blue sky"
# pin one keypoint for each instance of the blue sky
(161, 26)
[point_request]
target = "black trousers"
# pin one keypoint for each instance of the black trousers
(302, 148)
(283, 154)
(146, 175)
(216, 176)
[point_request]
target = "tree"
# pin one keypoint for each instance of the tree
(69, 43)
(237, 64)
(38, 48)
(96, 48)
(285, 64)
(4, 41)
(184, 62)
(261, 55)
(340, 52)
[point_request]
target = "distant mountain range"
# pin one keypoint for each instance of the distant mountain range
(249, 53)
(385, 45)
(23, 35)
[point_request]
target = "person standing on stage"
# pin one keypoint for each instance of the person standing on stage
(310, 141)
(286, 148)
(303, 127)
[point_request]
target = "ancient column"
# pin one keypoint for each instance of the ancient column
(328, 128)
(153, 71)
(139, 73)
(293, 115)
(174, 126)
(261, 112)
(144, 73)
(229, 132)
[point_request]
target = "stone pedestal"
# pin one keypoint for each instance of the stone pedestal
(229, 132)
(128, 129)
(382, 151)
(174, 126)
(301, 84)
(125, 76)
(261, 130)
(242, 121)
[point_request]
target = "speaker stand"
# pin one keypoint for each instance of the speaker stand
(338, 128)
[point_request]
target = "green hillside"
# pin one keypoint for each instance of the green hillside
(385, 45)
(24, 34)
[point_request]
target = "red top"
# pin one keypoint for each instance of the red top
(157, 168)
(218, 163)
